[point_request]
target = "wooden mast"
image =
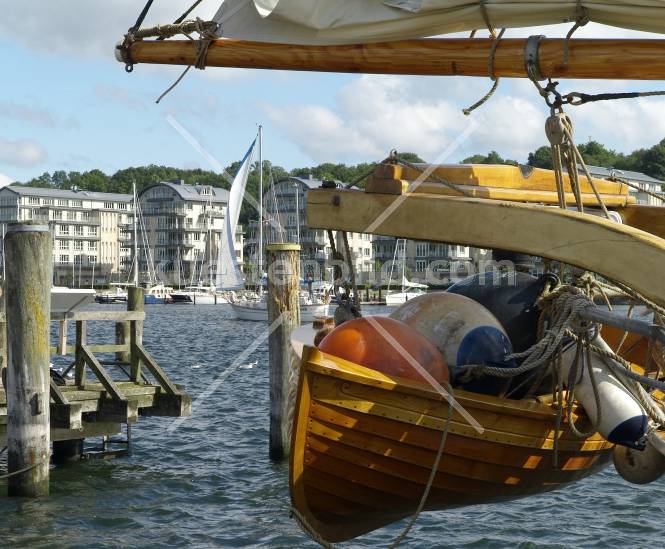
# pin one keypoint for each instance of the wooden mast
(588, 58)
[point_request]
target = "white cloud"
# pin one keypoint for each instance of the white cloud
(5, 180)
(84, 28)
(374, 114)
(23, 153)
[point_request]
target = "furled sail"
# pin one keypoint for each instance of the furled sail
(228, 271)
(361, 21)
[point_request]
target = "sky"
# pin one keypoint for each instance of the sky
(66, 104)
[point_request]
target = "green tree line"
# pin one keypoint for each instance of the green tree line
(650, 161)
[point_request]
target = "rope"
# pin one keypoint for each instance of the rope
(490, 63)
(613, 177)
(430, 480)
(581, 19)
(352, 271)
(431, 174)
(24, 470)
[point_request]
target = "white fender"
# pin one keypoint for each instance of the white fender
(623, 421)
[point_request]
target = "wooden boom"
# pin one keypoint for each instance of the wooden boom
(588, 58)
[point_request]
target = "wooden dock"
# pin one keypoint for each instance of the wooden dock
(116, 392)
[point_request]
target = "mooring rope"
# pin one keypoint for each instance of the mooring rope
(24, 469)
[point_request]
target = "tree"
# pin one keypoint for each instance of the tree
(541, 158)
(492, 158)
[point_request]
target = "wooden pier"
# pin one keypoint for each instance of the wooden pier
(38, 408)
(114, 394)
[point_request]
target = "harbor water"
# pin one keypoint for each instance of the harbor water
(206, 481)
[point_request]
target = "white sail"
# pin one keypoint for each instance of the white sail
(228, 271)
(351, 21)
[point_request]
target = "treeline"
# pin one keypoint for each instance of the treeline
(649, 161)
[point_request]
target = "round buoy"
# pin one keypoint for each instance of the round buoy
(385, 345)
(639, 467)
(463, 330)
(511, 297)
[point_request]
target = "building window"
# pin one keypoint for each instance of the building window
(421, 249)
(122, 206)
(92, 231)
(92, 246)
(366, 252)
(71, 216)
(109, 205)
(92, 259)
(64, 258)
(78, 230)
(48, 202)
(77, 203)
(421, 265)
(33, 200)
(64, 229)
(85, 216)
(63, 244)
(77, 259)
(197, 237)
(78, 245)
(63, 202)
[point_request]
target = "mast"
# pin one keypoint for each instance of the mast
(260, 206)
(633, 59)
(136, 237)
(297, 216)
(403, 263)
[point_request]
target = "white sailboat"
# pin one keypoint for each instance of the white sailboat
(409, 289)
(257, 309)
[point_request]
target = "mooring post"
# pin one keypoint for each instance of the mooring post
(3, 339)
(135, 302)
(29, 271)
(283, 317)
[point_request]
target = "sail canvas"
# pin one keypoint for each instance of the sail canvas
(228, 271)
(352, 21)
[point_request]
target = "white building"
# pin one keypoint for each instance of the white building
(285, 223)
(182, 226)
(86, 228)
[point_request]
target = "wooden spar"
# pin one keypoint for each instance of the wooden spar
(589, 58)
(284, 317)
(29, 267)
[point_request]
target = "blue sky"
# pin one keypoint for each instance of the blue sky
(65, 103)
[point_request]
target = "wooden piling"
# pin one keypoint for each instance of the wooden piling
(135, 302)
(283, 317)
(122, 338)
(29, 271)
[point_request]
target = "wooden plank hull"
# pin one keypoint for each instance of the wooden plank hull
(364, 445)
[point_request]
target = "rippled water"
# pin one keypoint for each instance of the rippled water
(209, 483)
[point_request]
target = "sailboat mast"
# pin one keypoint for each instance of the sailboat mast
(136, 238)
(260, 262)
(297, 215)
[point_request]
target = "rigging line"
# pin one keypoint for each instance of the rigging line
(184, 15)
(614, 177)
(490, 70)
(581, 19)
(578, 98)
(142, 15)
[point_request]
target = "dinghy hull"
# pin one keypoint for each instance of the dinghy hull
(364, 444)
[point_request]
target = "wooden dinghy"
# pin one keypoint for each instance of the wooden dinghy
(364, 444)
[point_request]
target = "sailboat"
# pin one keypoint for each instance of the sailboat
(409, 289)
(372, 445)
(256, 309)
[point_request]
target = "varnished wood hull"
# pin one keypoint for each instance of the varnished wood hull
(364, 444)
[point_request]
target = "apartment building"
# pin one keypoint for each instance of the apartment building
(86, 228)
(285, 203)
(428, 262)
(180, 230)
